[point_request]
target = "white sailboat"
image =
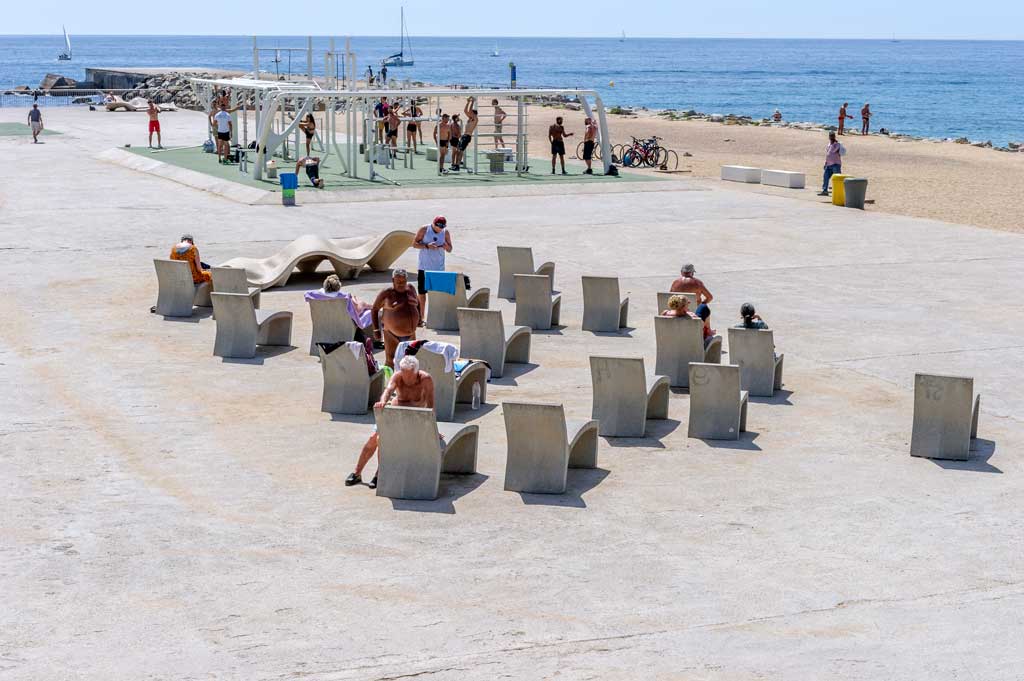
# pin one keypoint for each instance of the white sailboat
(399, 58)
(495, 53)
(623, 38)
(66, 55)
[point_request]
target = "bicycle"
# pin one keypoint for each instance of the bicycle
(597, 150)
(645, 152)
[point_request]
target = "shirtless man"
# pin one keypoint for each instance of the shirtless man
(589, 140)
(414, 112)
(472, 119)
(843, 116)
(442, 138)
(865, 118)
(154, 124)
(556, 135)
(409, 387)
(687, 283)
(456, 128)
(499, 118)
(312, 166)
(392, 126)
(397, 310)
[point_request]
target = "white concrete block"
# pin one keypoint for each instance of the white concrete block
(783, 178)
(741, 174)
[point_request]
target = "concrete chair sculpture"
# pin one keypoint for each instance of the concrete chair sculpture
(542, 446)
(349, 257)
(331, 322)
(232, 280)
(483, 335)
(945, 416)
(753, 350)
(442, 307)
(603, 311)
(177, 294)
(625, 395)
(513, 260)
(536, 306)
(349, 388)
(450, 388)
(680, 341)
(415, 449)
(718, 408)
(663, 297)
(241, 327)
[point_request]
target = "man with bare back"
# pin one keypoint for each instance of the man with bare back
(557, 135)
(396, 314)
(499, 118)
(409, 387)
(472, 118)
(687, 283)
(442, 138)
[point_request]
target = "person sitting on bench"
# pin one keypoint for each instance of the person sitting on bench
(186, 250)
(678, 306)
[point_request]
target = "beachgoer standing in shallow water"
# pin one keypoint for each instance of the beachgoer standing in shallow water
(843, 116)
(396, 314)
(442, 138)
(833, 162)
(35, 121)
(154, 124)
(865, 117)
(557, 135)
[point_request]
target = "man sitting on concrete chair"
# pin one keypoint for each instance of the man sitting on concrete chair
(409, 387)
(687, 283)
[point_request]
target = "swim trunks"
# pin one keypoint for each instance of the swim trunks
(154, 126)
(588, 150)
(558, 148)
(465, 142)
(225, 136)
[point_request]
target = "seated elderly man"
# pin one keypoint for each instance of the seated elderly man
(409, 387)
(186, 250)
(359, 310)
(396, 314)
(687, 283)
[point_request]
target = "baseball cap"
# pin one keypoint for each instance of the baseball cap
(440, 220)
(399, 272)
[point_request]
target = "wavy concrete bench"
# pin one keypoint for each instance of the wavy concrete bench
(331, 322)
(177, 294)
(241, 327)
(718, 408)
(945, 421)
(348, 257)
(450, 388)
(412, 455)
(542, 446)
(348, 386)
(513, 260)
(603, 311)
(680, 341)
(663, 297)
(625, 395)
(753, 350)
(442, 308)
(232, 280)
(483, 335)
(536, 306)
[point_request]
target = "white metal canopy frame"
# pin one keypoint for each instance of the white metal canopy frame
(273, 99)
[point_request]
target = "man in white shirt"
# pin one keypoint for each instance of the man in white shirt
(222, 123)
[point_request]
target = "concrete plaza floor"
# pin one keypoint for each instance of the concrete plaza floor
(167, 514)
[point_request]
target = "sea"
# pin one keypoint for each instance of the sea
(936, 89)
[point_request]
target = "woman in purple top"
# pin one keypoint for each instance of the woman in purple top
(833, 162)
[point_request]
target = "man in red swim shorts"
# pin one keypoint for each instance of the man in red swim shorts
(154, 125)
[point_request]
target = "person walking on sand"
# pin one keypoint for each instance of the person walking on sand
(442, 138)
(865, 117)
(154, 124)
(35, 121)
(589, 140)
(843, 116)
(557, 135)
(499, 118)
(833, 162)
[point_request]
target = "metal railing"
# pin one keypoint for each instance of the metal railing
(57, 97)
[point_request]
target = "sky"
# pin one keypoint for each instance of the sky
(908, 19)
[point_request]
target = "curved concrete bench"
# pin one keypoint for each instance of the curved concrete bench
(513, 260)
(177, 294)
(718, 408)
(450, 388)
(412, 455)
(442, 308)
(680, 341)
(241, 327)
(348, 257)
(753, 350)
(945, 421)
(602, 308)
(663, 297)
(542, 446)
(625, 395)
(348, 386)
(483, 335)
(536, 306)
(331, 322)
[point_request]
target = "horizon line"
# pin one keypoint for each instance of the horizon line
(533, 37)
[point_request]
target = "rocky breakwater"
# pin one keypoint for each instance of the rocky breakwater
(173, 87)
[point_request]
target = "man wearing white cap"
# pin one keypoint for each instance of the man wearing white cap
(687, 283)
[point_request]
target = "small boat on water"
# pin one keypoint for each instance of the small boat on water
(399, 58)
(66, 54)
(495, 53)
(623, 38)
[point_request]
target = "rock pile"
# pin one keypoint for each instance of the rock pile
(170, 87)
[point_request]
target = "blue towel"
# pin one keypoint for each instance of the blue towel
(443, 282)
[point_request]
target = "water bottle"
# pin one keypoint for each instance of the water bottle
(476, 396)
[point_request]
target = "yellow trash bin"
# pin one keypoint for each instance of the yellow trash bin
(839, 189)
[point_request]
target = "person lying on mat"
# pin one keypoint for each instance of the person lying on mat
(186, 250)
(409, 387)
(396, 314)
